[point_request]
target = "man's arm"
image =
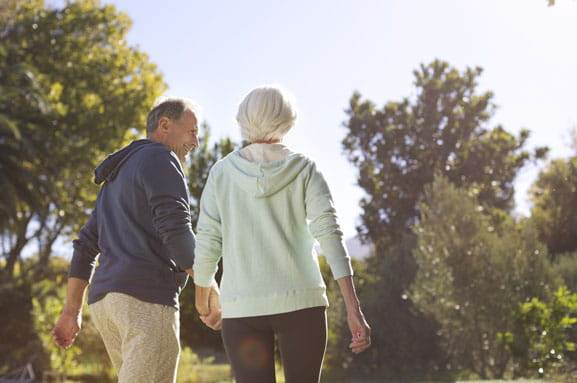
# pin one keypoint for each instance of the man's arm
(163, 180)
(69, 323)
(86, 250)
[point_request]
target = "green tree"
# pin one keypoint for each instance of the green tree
(472, 276)
(200, 162)
(20, 107)
(565, 265)
(554, 211)
(98, 92)
(398, 149)
(23, 108)
(20, 343)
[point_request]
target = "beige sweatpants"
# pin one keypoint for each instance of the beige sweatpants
(141, 338)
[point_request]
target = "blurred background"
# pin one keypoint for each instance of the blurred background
(447, 131)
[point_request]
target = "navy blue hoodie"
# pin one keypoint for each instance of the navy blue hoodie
(140, 226)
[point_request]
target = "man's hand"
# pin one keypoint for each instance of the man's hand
(66, 329)
(207, 302)
(360, 331)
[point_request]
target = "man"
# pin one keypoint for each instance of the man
(141, 227)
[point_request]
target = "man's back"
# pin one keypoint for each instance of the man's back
(141, 217)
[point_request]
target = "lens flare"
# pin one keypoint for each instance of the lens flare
(253, 353)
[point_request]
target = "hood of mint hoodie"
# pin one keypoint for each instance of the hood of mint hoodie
(264, 179)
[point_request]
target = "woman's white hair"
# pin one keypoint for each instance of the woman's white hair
(266, 113)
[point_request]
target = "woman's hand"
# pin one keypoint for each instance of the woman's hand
(207, 302)
(360, 331)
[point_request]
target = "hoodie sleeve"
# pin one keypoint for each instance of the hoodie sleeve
(209, 236)
(167, 194)
(324, 226)
(85, 249)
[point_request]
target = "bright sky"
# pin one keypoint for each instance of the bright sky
(322, 50)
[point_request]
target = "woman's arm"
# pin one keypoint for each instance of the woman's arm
(208, 253)
(360, 329)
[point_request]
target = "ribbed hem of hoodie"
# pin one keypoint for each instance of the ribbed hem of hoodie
(293, 300)
(337, 257)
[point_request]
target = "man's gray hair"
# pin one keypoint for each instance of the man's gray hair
(172, 108)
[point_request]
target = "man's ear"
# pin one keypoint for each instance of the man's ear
(163, 125)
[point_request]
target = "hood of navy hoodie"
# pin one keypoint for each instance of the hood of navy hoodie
(108, 169)
(263, 179)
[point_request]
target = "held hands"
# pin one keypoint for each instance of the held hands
(360, 331)
(66, 329)
(207, 301)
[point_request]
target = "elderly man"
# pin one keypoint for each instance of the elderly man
(141, 227)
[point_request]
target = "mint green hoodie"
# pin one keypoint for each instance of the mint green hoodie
(263, 218)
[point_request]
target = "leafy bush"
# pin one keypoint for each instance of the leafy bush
(541, 341)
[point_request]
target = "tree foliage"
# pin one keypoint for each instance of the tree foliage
(542, 342)
(20, 343)
(23, 108)
(98, 91)
(554, 211)
(472, 276)
(398, 149)
(199, 165)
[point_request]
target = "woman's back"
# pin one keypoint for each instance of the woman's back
(264, 210)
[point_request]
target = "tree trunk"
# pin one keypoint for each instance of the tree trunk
(21, 227)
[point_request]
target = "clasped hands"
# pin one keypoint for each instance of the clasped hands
(207, 302)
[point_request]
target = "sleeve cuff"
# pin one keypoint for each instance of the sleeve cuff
(204, 273)
(337, 256)
(203, 280)
(182, 250)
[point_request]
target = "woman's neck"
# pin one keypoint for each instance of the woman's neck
(275, 141)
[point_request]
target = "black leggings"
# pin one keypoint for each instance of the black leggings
(302, 336)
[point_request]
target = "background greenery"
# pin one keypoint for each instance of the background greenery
(457, 287)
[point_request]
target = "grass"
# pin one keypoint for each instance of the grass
(195, 369)
(422, 381)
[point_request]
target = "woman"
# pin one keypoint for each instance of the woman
(261, 210)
